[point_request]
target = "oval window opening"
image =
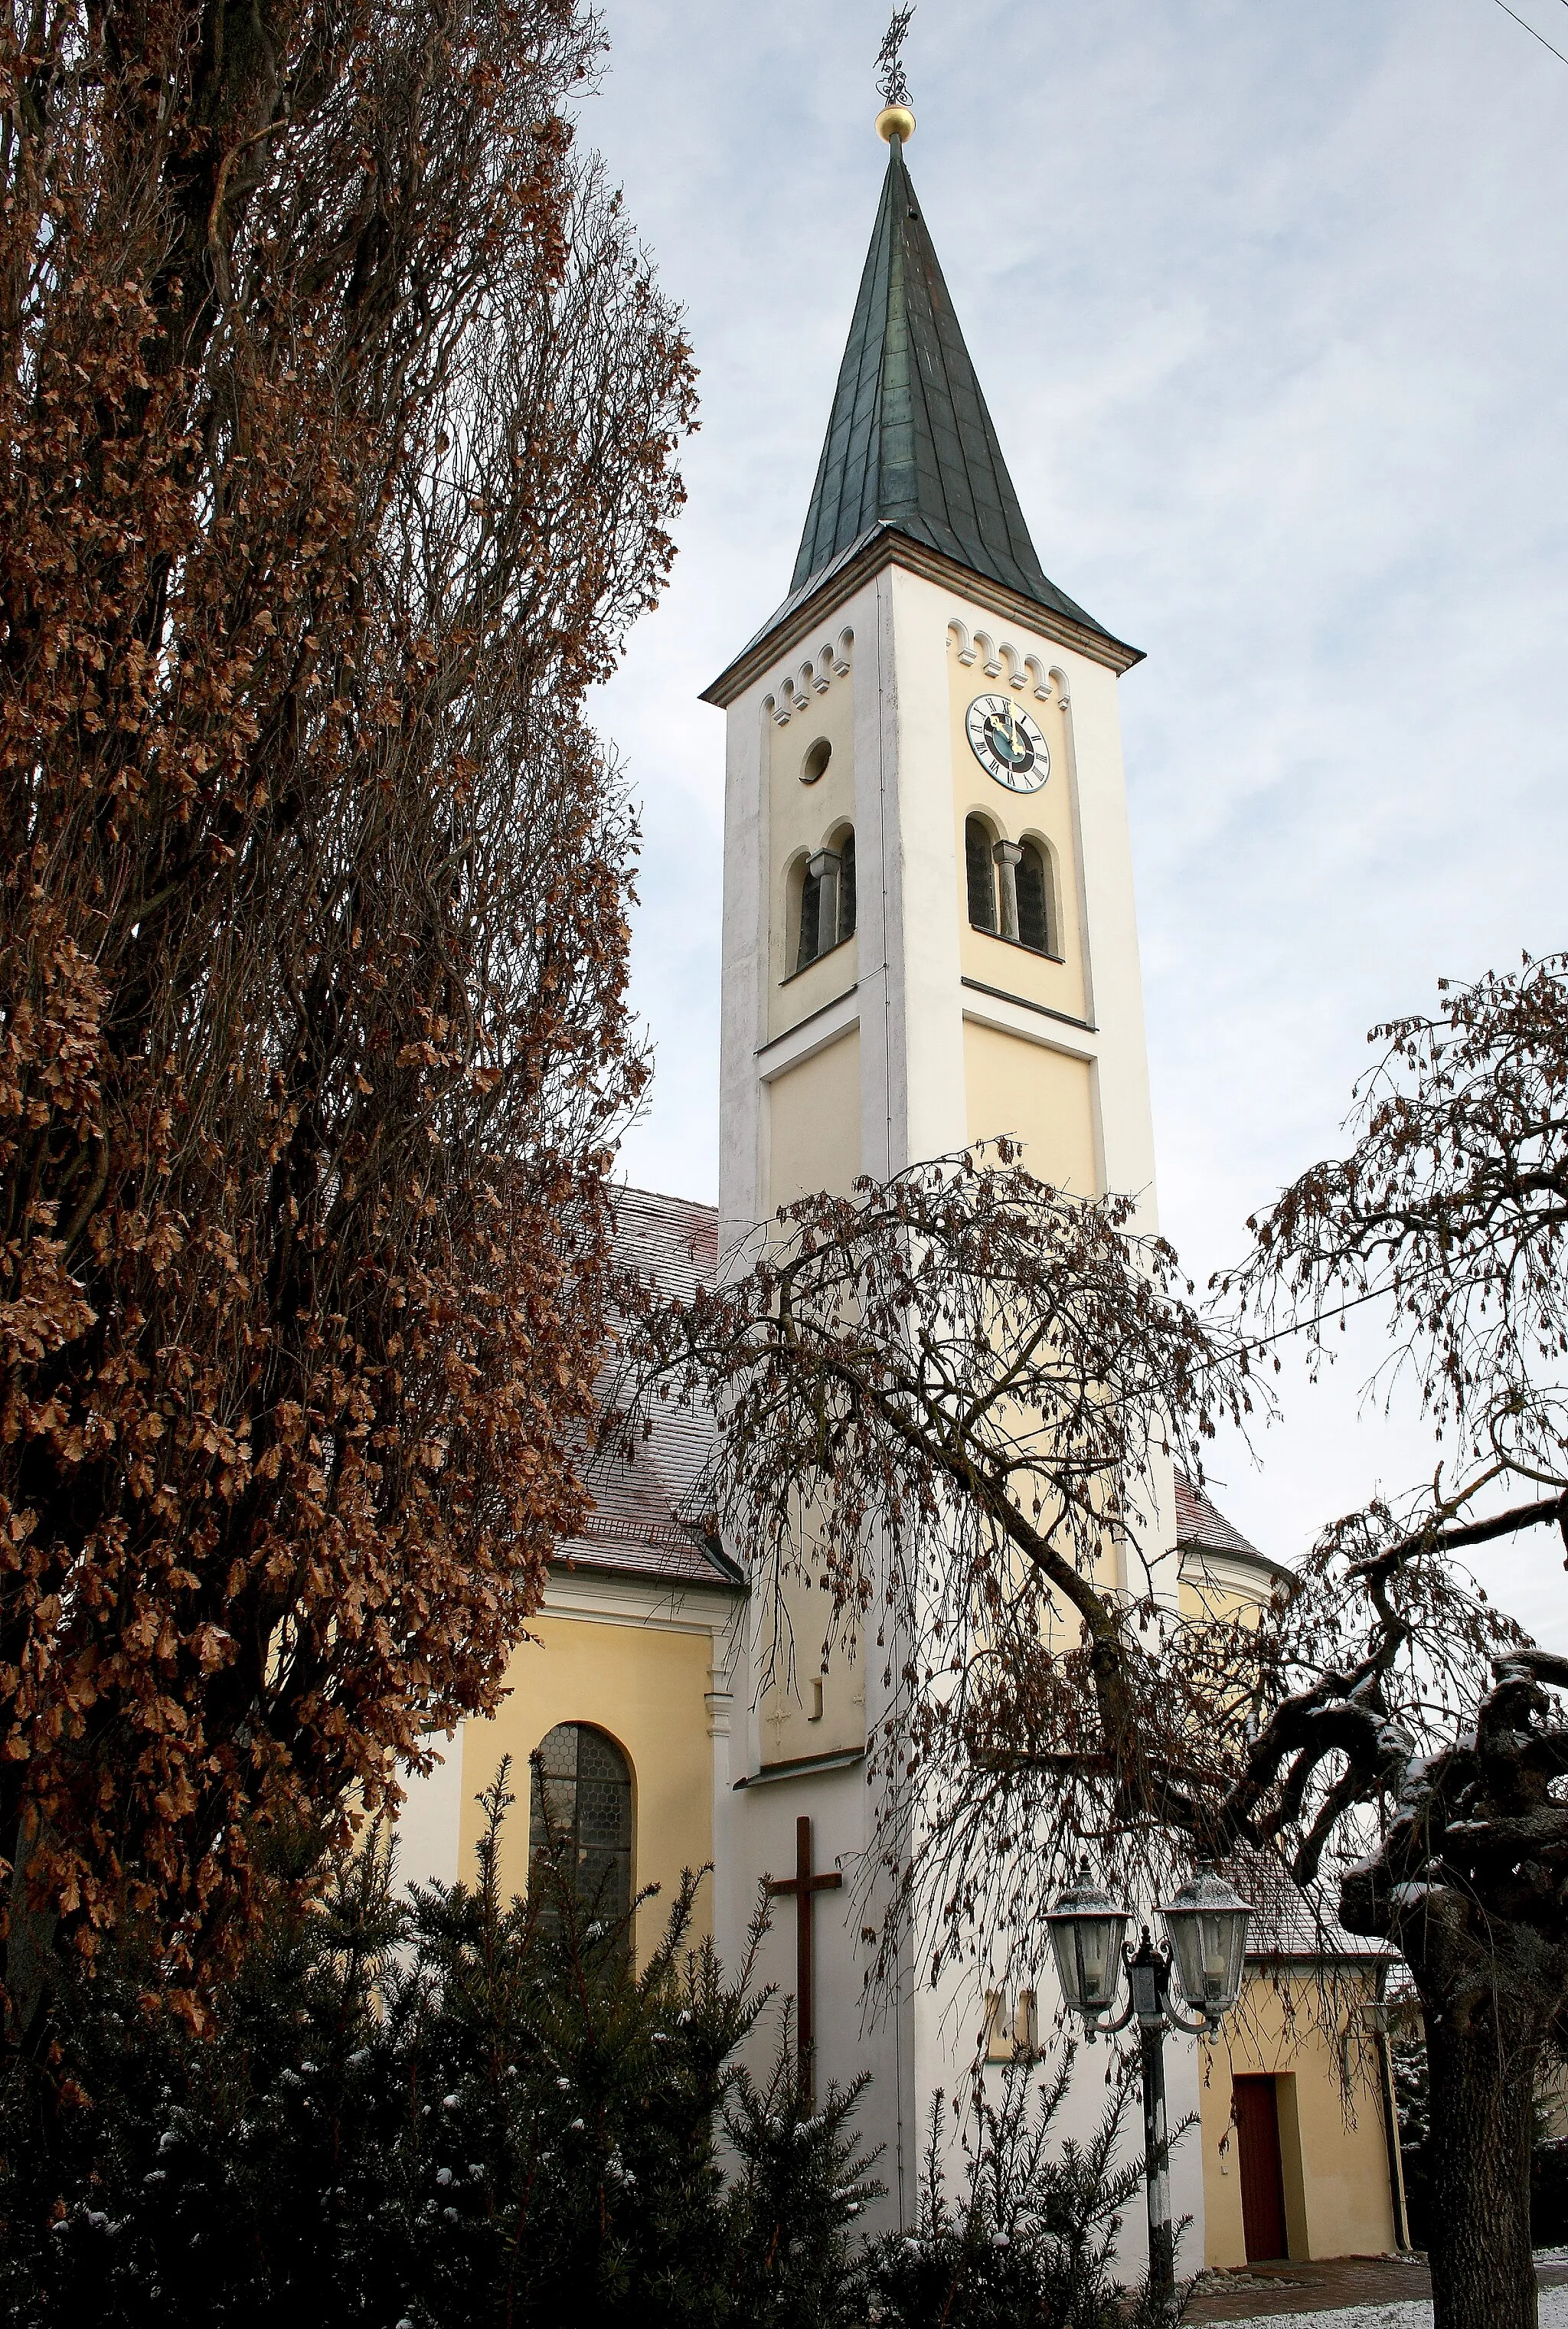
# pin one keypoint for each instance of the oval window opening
(816, 760)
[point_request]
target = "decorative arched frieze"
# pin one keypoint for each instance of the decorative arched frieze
(1022, 670)
(792, 690)
(985, 647)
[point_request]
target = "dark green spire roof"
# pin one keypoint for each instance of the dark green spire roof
(911, 457)
(910, 445)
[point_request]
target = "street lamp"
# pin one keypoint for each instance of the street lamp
(1206, 1937)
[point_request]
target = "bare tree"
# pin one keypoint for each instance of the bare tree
(340, 412)
(953, 1397)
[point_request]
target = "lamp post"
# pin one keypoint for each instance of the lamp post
(1207, 1935)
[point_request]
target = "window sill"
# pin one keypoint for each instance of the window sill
(1002, 995)
(836, 947)
(1040, 954)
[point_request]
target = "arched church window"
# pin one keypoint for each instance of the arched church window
(980, 872)
(1037, 900)
(581, 1814)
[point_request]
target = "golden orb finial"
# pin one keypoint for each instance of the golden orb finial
(895, 121)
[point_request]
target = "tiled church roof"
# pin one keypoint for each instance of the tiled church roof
(1202, 1527)
(633, 1530)
(1290, 1925)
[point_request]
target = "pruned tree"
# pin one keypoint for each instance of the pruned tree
(340, 415)
(1443, 1806)
(951, 1398)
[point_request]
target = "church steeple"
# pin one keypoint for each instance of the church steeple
(910, 445)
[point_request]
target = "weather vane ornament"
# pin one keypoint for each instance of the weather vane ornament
(891, 82)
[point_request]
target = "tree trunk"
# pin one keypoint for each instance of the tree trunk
(1481, 2064)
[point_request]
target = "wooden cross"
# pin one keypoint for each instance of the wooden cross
(803, 1885)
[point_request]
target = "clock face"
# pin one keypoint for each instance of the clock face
(1007, 743)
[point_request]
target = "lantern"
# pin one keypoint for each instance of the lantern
(1086, 1929)
(1206, 1924)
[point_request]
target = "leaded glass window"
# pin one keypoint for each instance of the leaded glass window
(581, 1807)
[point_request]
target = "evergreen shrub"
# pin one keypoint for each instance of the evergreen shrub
(458, 2111)
(1028, 2242)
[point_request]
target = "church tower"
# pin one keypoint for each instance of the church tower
(929, 941)
(928, 924)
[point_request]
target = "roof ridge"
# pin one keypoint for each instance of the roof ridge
(663, 1197)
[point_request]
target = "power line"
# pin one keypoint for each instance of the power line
(1534, 36)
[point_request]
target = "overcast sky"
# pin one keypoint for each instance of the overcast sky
(1270, 306)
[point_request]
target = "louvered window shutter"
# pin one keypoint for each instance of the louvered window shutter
(806, 951)
(1034, 922)
(981, 875)
(847, 886)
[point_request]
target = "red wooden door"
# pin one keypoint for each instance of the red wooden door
(1256, 2110)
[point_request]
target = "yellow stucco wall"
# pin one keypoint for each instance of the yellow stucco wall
(1044, 1098)
(647, 1687)
(1334, 2175)
(814, 1123)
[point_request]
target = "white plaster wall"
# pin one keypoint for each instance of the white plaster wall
(932, 998)
(880, 875)
(430, 1819)
(743, 996)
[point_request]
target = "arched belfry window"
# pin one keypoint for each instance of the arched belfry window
(1011, 889)
(847, 882)
(580, 1808)
(1037, 900)
(980, 871)
(826, 911)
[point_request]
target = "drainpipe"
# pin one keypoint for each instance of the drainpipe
(1379, 2020)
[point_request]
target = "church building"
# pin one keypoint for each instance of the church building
(929, 939)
